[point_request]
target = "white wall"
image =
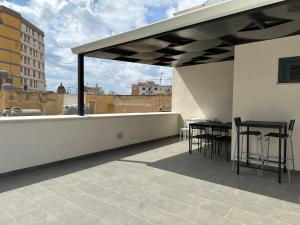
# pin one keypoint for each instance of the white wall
(257, 96)
(204, 91)
(72, 99)
(33, 141)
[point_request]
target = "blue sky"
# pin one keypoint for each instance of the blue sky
(68, 23)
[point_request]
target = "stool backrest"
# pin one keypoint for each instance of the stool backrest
(237, 121)
(291, 125)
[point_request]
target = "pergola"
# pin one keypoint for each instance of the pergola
(205, 35)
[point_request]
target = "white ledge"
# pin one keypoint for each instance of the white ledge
(75, 117)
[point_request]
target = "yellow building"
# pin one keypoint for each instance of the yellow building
(21, 52)
(10, 46)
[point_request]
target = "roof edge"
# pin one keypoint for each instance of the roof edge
(19, 16)
(28, 23)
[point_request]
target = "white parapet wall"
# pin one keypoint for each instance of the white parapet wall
(32, 141)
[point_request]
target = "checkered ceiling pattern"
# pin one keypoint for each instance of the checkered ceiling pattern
(208, 42)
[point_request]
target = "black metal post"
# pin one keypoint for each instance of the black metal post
(279, 166)
(190, 140)
(80, 85)
(285, 148)
(248, 145)
(238, 151)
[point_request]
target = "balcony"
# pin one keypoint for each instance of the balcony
(156, 182)
(130, 169)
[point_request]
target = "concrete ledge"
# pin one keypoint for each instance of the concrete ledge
(75, 117)
(33, 141)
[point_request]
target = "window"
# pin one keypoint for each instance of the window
(289, 70)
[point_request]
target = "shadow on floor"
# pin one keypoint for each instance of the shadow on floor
(33, 175)
(219, 171)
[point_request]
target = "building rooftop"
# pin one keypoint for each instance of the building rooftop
(18, 15)
(155, 183)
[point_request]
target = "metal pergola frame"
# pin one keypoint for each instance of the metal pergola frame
(80, 83)
(120, 45)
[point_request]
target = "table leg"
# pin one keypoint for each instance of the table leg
(227, 145)
(190, 140)
(212, 144)
(285, 148)
(279, 166)
(248, 146)
(238, 151)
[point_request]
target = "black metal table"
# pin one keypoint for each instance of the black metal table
(203, 125)
(282, 129)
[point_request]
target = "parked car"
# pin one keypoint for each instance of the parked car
(73, 110)
(16, 111)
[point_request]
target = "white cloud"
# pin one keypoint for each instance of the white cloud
(68, 23)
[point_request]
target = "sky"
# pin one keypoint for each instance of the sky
(69, 23)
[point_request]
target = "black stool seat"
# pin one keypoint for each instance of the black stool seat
(255, 133)
(203, 136)
(276, 135)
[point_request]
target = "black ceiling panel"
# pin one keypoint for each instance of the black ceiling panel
(170, 51)
(126, 59)
(209, 42)
(162, 64)
(215, 51)
(233, 40)
(165, 59)
(200, 58)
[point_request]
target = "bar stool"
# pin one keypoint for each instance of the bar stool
(216, 134)
(203, 135)
(225, 139)
(258, 135)
(184, 131)
(290, 151)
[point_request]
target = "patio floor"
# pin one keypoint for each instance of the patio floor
(153, 183)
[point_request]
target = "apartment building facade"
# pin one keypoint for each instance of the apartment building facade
(22, 52)
(150, 88)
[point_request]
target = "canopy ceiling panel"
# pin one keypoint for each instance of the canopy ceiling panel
(210, 41)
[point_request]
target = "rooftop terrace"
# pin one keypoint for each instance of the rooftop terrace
(152, 183)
